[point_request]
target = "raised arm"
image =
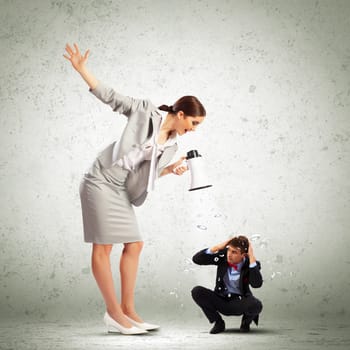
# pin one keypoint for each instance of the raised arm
(119, 103)
(79, 64)
(255, 277)
(212, 257)
(220, 246)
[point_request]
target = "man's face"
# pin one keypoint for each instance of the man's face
(234, 255)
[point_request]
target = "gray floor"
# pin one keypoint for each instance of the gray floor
(91, 335)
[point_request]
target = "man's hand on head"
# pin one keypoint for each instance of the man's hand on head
(220, 246)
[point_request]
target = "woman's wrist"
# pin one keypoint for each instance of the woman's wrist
(82, 70)
(165, 171)
(88, 77)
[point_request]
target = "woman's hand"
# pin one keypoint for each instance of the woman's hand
(179, 167)
(76, 58)
(78, 62)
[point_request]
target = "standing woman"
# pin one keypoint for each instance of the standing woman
(120, 177)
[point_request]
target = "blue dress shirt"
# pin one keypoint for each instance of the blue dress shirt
(231, 278)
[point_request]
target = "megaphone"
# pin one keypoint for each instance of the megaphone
(198, 177)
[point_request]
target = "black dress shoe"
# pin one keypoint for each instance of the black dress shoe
(219, 326)
(245, 325)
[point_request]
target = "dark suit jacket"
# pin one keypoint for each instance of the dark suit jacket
(249, 276)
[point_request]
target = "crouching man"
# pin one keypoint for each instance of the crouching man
(237, 268)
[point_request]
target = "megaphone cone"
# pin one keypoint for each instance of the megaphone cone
(198, 177)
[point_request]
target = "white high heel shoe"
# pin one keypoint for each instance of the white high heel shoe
(144, 325)
(114, 327)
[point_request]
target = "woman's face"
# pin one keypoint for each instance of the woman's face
(184, 123)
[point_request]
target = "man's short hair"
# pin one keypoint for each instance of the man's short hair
(240, 242)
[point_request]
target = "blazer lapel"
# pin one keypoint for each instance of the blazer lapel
(166, 156)
(156, 120)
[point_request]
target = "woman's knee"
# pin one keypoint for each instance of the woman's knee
(100, 251)
(133, 247)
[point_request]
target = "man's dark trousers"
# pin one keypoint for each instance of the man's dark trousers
(213, 304)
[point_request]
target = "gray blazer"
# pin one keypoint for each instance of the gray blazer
(144, 120)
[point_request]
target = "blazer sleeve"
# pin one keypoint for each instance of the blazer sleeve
(255, 277)
(119, 103)
(203, 258)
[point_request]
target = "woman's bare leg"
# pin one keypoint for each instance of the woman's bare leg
(129, 261)
(101, 268)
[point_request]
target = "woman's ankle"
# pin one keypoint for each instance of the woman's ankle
(131, 312)
(118, 317)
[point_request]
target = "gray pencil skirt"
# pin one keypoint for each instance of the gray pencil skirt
(108, 215)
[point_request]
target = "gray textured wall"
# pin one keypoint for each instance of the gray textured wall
(274, 77)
